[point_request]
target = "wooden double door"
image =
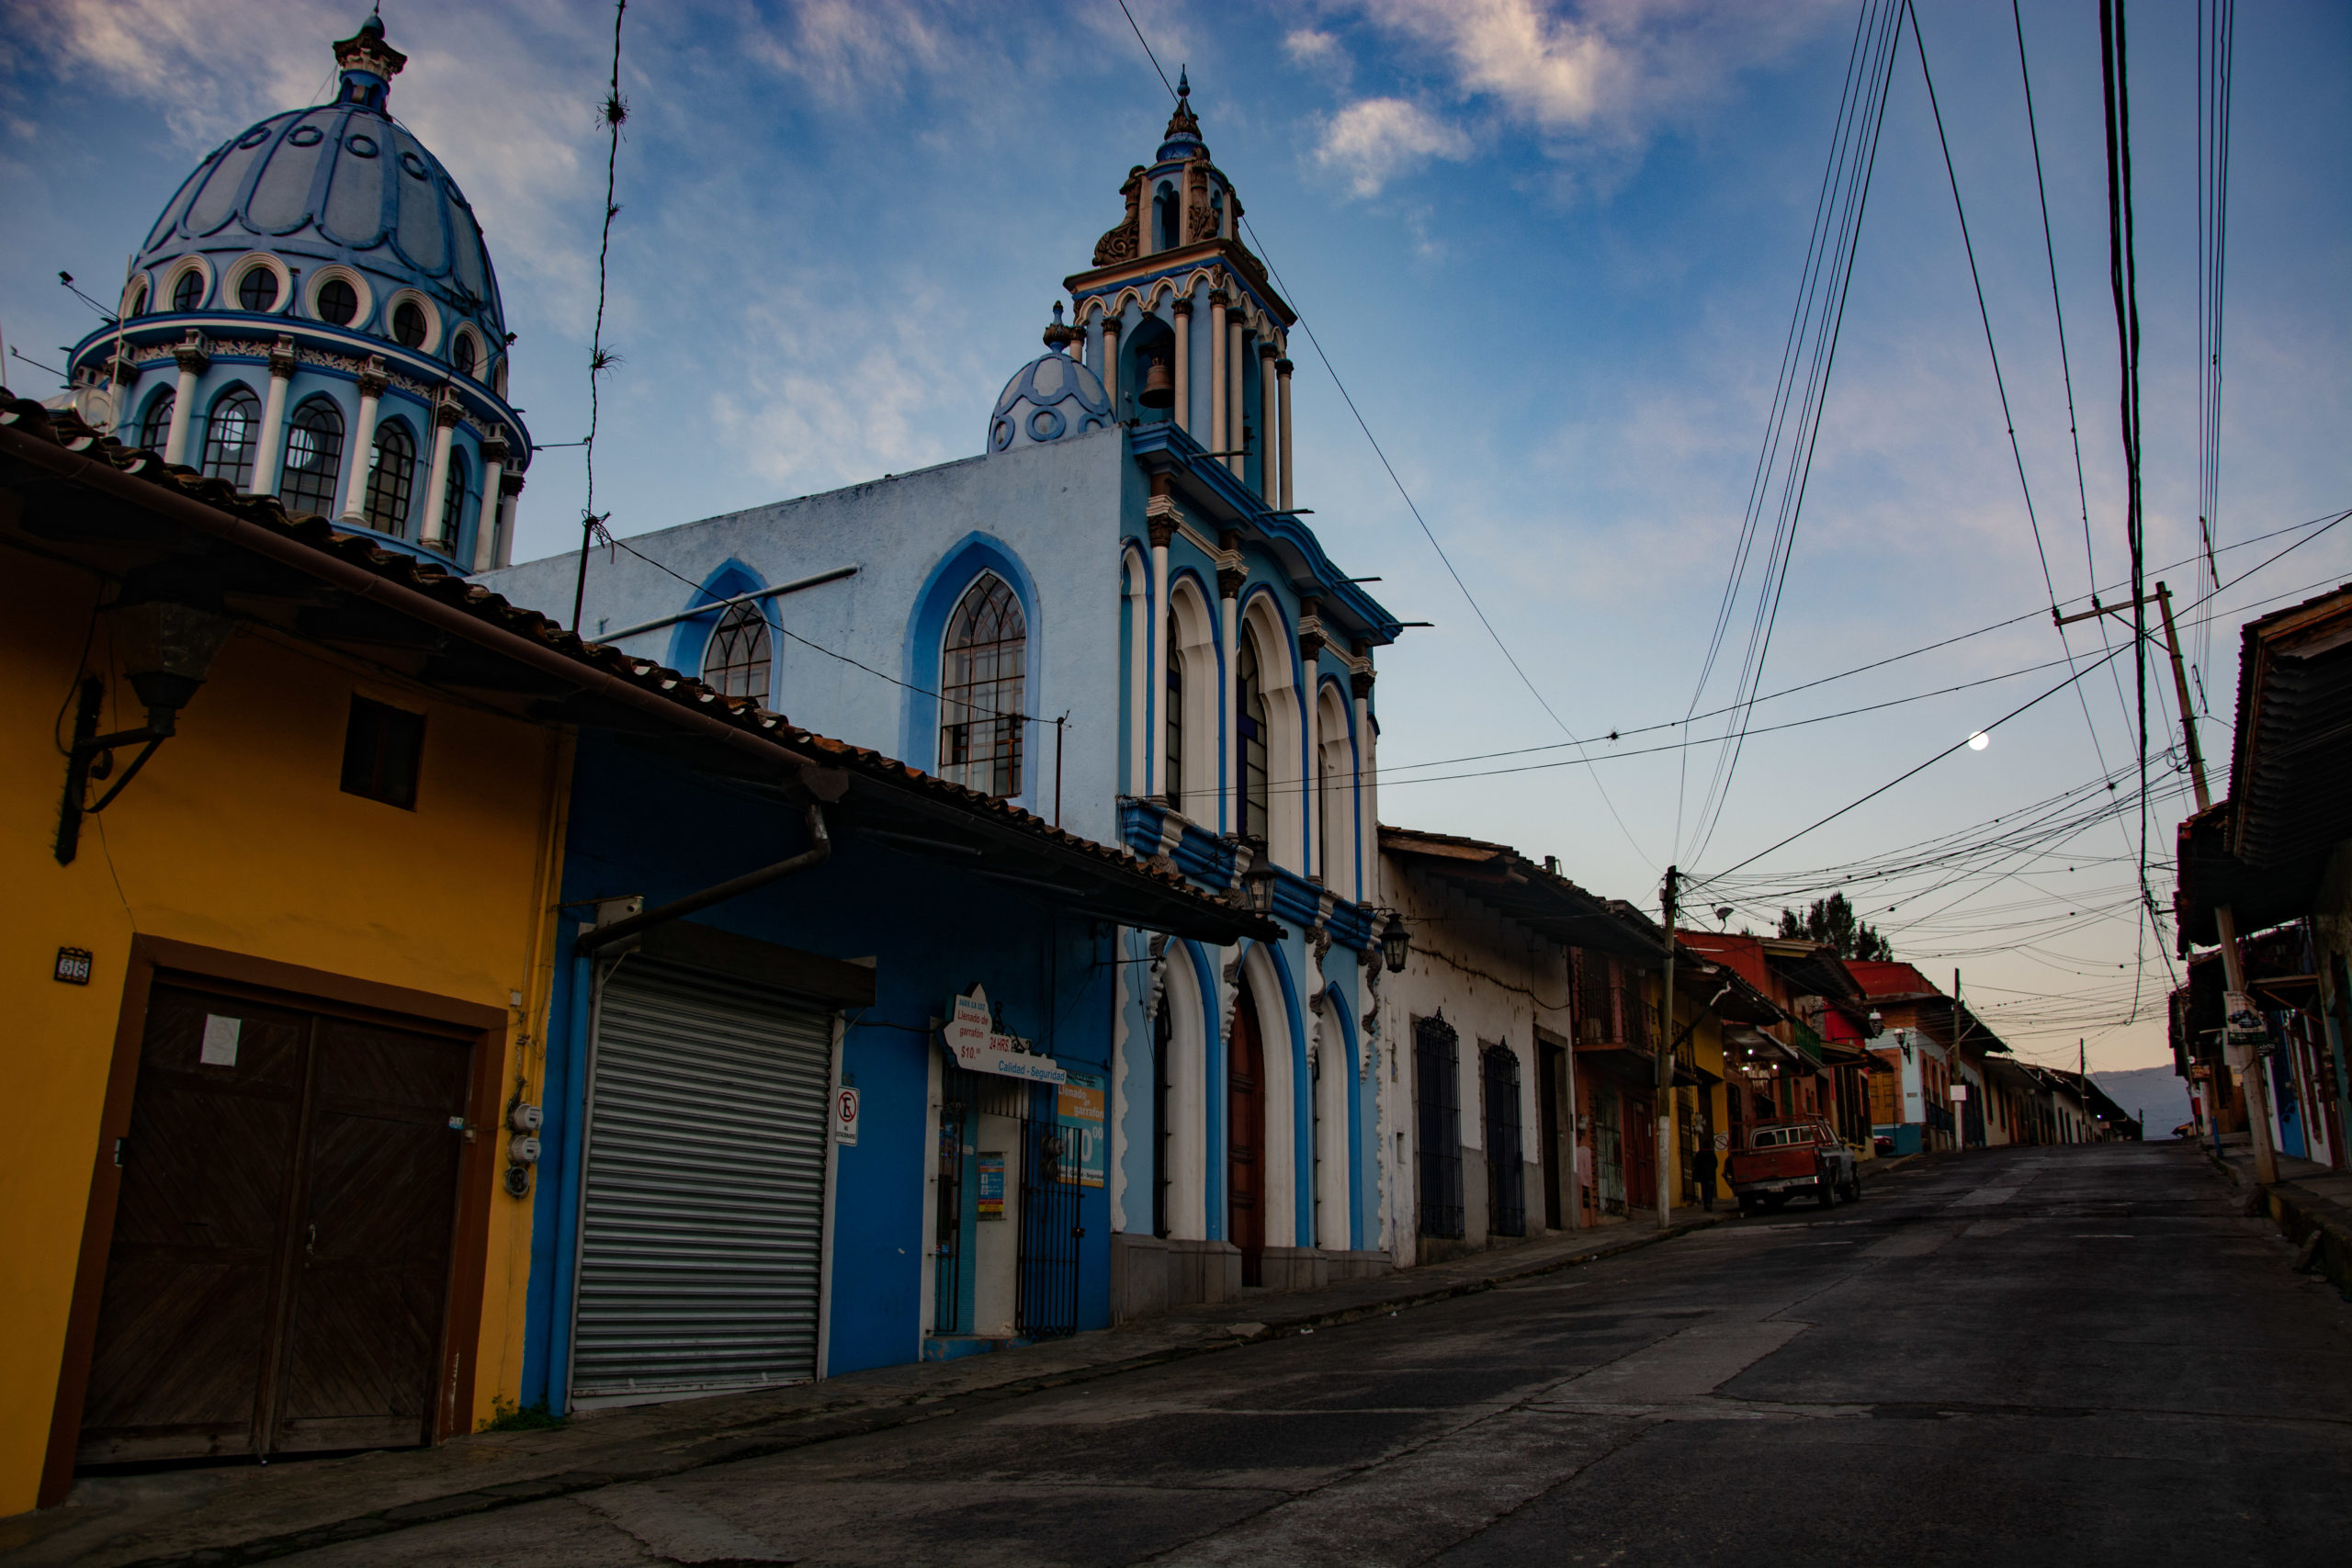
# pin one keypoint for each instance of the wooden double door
(278, 1275)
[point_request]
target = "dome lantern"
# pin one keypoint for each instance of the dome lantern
(369, 65)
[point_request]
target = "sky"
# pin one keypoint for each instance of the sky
(1550, 251)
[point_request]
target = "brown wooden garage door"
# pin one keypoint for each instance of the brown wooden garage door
(279, 1272)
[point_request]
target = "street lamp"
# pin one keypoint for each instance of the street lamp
(166, 649)
(1396, 943)
(1258, 882)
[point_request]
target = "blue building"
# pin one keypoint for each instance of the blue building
(1115, 620)
(314, 316)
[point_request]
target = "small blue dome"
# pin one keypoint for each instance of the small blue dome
(343, 184)
(1050, 397)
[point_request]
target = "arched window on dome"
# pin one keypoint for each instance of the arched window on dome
(735, 661)
(314, 458)
(1250, 702)
(462, 354)
(156, 428)
(338, 302)
(229, 436)
(453, 501)
(138, 303)
(391, 475)
(982, 682)
(257, 289)
(188, 289)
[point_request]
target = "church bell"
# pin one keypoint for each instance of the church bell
(1158, 386)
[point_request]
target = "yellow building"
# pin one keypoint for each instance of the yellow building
(268, 1006)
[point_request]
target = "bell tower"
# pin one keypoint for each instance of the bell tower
(1180, 321)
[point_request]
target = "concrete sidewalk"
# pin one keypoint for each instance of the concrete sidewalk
(2311, 1202)
(247, 1512)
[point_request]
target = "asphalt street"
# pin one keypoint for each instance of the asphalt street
(2071, 1355)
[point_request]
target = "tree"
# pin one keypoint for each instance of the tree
(1832, 920)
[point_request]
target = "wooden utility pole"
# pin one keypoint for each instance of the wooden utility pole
(2225, 921)
(1665, 1064)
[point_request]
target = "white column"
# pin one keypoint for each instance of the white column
(1163, 528)
(508, 504)
(1281, 374)
(1269, 469)
(1217, 442)
(435, 534)
(1111, 360)
(1236, 404)
(192, 361)
(358, 454)
(494, 473)
(1183, 310)
(270, 452)
(1138, 677)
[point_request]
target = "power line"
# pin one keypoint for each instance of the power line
(614, 111)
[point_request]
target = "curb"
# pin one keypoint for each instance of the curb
(820, 1429)
(2324, 1236)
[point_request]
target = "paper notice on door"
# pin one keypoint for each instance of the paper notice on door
(220, 1041)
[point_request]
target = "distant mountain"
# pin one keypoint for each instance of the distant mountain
(2153, 1089)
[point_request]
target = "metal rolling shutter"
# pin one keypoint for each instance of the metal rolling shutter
(703, 1193)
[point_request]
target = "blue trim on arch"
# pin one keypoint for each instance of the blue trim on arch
(1355, 786)
(1302, 1109)
(927, 626)
(1212, 1095)
(688, 638)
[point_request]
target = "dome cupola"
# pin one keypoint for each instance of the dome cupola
(1050, 397)
(314, 315)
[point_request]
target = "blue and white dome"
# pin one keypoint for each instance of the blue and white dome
(340, 192)
(1050, 397)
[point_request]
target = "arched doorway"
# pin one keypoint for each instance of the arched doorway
(1245, 1140)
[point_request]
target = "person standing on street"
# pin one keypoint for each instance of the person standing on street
(1702, 1172)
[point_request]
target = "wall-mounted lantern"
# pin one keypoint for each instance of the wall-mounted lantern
(1258, 882)
(1396, 943)
(166, 648)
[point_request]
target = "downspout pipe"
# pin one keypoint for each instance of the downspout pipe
(362, 583)
(820, 850)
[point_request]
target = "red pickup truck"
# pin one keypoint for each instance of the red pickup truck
(1784, 1159)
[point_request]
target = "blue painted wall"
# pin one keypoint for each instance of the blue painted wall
(641, 824)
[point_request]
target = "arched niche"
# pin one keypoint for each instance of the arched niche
(1266, 626)
(1195, 668)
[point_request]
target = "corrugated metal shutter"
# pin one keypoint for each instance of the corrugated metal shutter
(704, 1195)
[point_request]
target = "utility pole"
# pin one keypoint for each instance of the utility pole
(2225, 920)
(1665, 1064)
(1957, 1090)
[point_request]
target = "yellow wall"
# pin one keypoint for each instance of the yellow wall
(237, 836)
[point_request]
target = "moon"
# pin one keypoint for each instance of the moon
(1978, 741)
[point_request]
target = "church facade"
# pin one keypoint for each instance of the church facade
(1114, 619)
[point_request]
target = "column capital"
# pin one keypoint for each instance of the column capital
(1219, 298)
(1359, 682)
(510, 484)
(1163, 530)
(282, 357)
(1109, 324)
(447, 410)
(1267, 350)
(494, 449)
(1283, 367)
(1182, 307)
(373, 379)
(189, 352)
(1162, 516)
(119, 365)
(1231, 577)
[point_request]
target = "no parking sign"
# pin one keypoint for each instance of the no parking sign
(845, 1116)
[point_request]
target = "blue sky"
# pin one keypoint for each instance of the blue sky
(1551, 249)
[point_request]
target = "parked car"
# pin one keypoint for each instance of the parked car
(1883, 1143)
(1802, 1156)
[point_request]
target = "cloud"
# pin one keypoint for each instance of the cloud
(1312, 46)
(1590, 81)
(1373, 140)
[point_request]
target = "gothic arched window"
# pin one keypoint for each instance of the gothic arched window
(390, 477)
(156, 428)
(1166, 218)
(735, 662)
(982, 674)
(1250, 701)
(1171, 784)
(228, 437)
(314, 458)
